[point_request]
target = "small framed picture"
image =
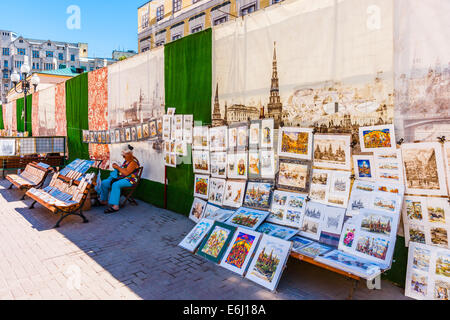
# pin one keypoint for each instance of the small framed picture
(127, 134)
(139, 132)
(117, 133)
(171, 111)
(145, 131)
(112, 136)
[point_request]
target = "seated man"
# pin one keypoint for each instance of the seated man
(124, 176)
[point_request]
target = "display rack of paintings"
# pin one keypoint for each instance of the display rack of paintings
(423, 166)
(426, 220)
(217, 213)
(330, 187)
(200, 138)
(354, 265)
(371, 235)
(364, 167)
(238, 137)
(239, 253)
(389, 166)
(288, 208)
(258, 195)
(277, 231)
(218, 164)
(188, 124)
(428, 273)
(254, 137)
(332, 151)
(200, 161)
(247, 218)
(234, 193)
(269, 261)
(201, 186)
(219, 138)
(197, 210)
(295, 143)
(216, 242)
(196, 235)
(237, 165)
(216, 191)
(377, 138)
(294, 175)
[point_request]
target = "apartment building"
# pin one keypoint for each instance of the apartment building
(163, 21)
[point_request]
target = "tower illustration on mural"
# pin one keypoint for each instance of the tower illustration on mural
(275, 107)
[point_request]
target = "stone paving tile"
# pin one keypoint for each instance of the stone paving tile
(134, 255)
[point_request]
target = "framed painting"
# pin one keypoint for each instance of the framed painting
(197, 210)
(153, 129)
(247, 218)
(364, 167)
(201, 186)
(295, 143)
(167, 127)
(112, 136)
(216, 242)
(267, 133)
(145, 131)
(159, 126)
(267, 164)
(218, 164)
(332, 151)
(424, 170)
(196, 235)
(294, 175)
(377, 138)
(277, 231)
(254, 164)
(254, 138)
(133, 133)
(237, 165)
(312, 221)
(171, 111)
(200, 161)
(218, 138)
(239, 253)
(314, 249)
(128, 134)
(288, 208)
(238, 137)
(178, 127)
(140, 136)
(299, 242)
(268, 264)
(217, 213)
(216, 191)
(258, 195)
(234, 193)
(201, 138)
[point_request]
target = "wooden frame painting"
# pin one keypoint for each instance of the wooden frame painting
(196, 235)
(377, 138)
(247, 218)
(197, 210)
(201, 186)
(294, 175)
(332, 151)
(239, 253)
(268, 264)
(295, 143)
(216, 242)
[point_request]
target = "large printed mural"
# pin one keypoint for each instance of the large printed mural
(136, 95)
(324, 64)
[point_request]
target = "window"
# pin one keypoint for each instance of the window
(49, 54)
(175, 37)
(72, 57)
(160, 43)
(144, 20)
(160, 13)
(176, 5)
(21, 51)
(220, 20)
(5, 75)
(35, 54)
(18, 64)
(48, 66)
(196, 29)
(35, 65)
(145, 49)
(6, 51)
(60, 56)
(6, 86)
(5, 63)
(247, 10)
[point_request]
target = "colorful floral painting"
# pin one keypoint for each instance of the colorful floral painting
(240, 249)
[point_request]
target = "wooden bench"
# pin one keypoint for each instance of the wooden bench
(16, 162)
(62, 197)
(32, 177)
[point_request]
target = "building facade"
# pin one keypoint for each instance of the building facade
(163, 21)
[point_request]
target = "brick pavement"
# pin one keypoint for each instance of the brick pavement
(134, 255)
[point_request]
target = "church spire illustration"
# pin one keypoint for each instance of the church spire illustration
(275, 107)
(217, 120)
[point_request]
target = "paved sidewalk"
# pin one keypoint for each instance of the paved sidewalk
(134, 255)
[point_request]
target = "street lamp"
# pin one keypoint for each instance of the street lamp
(26, 85)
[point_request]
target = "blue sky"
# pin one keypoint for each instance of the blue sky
(106, 25)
